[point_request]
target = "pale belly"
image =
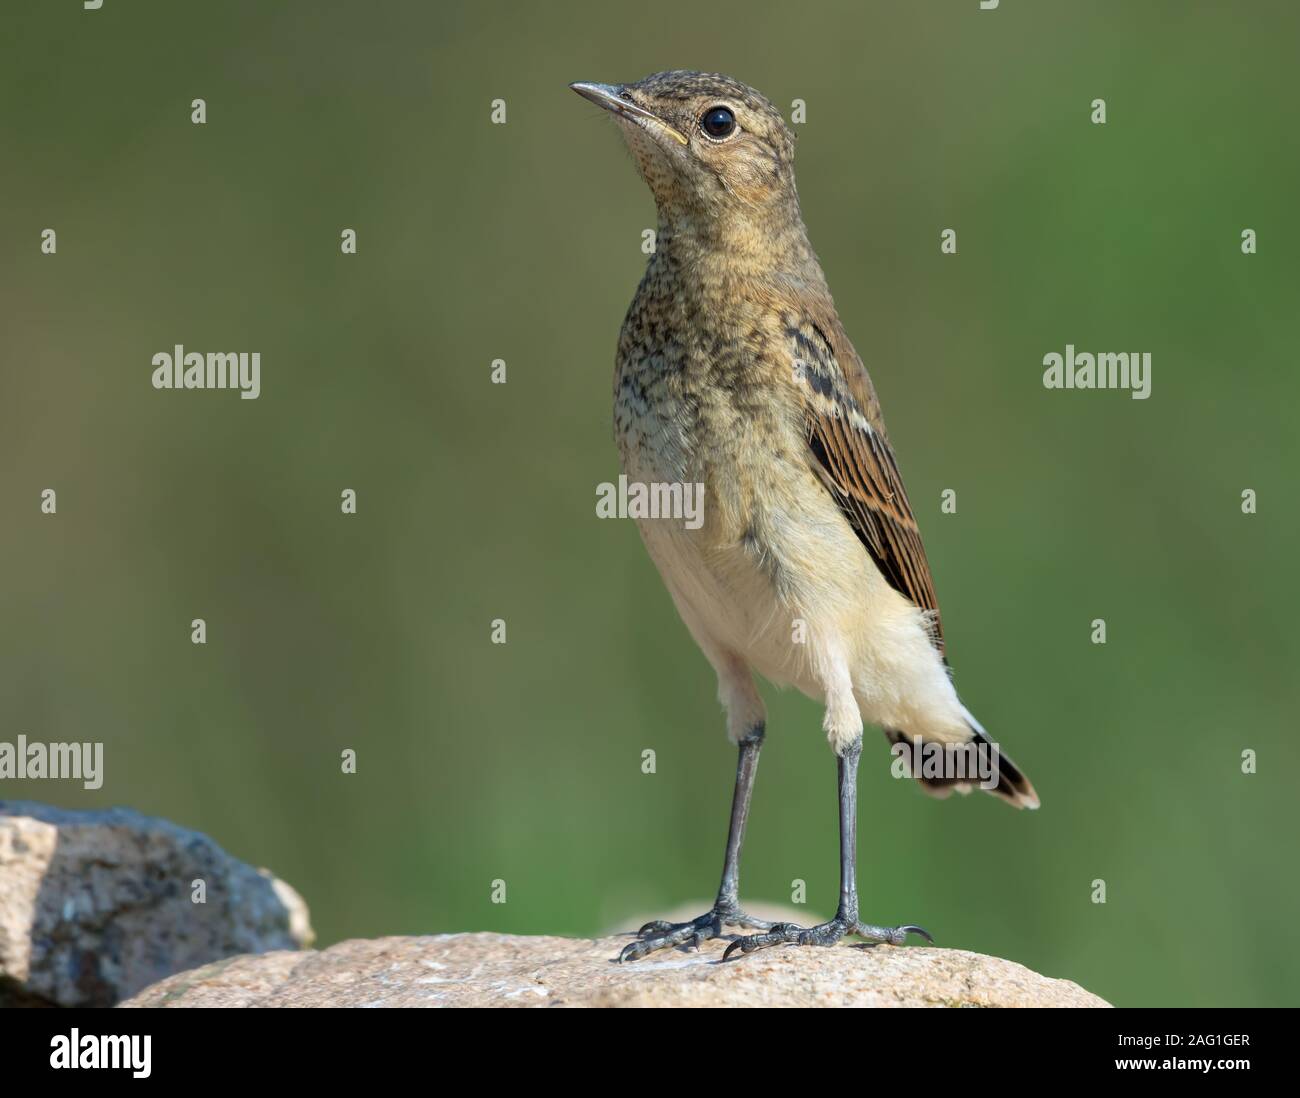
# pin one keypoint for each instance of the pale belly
(772, 563)
(775, 576)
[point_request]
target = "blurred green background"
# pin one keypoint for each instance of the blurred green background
(477, 501)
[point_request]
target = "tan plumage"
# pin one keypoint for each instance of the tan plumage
(733, 371)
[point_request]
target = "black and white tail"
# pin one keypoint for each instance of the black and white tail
(1012, 785)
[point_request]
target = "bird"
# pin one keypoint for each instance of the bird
(733, 372)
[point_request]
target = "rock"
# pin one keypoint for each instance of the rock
(505, 970)
(95, 906)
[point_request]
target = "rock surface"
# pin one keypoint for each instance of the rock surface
(95, 906)
(504, 970)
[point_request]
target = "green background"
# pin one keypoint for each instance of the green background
(477, 501)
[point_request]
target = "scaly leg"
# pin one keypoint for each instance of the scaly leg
(846, 917)
(726, 909)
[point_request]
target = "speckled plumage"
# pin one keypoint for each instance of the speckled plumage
(734, 371)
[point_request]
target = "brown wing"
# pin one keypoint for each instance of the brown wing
(847, 437)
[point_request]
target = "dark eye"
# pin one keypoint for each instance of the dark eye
(718, 122)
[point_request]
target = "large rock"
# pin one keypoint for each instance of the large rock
(505, 970)
(95, 906)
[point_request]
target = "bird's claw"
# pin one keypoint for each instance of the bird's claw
(656, 926)
(826, 934)
(660, 934)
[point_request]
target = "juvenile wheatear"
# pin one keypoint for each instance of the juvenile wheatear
(733, 371)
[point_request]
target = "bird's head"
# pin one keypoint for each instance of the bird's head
(707, 145)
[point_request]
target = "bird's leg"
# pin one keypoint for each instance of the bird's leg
(726, 909)
(846, 917)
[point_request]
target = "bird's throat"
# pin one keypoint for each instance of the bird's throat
(722, 249)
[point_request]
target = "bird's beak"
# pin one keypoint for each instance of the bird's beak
(610, 96)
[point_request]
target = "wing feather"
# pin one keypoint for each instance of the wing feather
(846, 435)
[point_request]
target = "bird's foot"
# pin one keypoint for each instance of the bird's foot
(825, 934)
(661, 935)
